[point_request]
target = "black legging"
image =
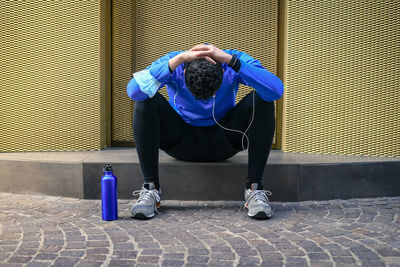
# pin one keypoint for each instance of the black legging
(156, 125)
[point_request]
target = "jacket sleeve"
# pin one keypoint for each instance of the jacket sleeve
(147, 82)
(268, 86)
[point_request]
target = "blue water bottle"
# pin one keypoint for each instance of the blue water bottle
(109, 204)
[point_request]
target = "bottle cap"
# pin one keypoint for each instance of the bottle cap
(107, 168)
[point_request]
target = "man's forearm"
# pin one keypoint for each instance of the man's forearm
(189, 56)
(174, 62)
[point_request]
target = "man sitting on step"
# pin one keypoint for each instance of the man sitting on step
(201, 122)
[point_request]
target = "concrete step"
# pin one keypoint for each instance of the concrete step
(289, 176)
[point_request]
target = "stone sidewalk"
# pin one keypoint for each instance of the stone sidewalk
(52, 231)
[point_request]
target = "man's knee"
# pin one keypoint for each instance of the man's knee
(148, 104)
(260, 101)
(258, 104)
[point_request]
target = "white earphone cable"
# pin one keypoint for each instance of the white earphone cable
(233, 130)
(175, 97)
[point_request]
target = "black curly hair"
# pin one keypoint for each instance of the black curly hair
(203, 78)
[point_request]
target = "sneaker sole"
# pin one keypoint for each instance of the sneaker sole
(261, 216)
(141, 216)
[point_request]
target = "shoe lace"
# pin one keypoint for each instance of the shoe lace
(145, 195)
(260, 196)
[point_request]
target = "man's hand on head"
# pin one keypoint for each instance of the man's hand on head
(188, 56)
(212, 52)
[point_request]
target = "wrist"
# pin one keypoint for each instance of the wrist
(235, 63)
(227, 59)
(174, 62)
(180, 58)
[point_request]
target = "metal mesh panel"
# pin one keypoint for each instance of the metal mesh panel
(343, 76)
(122, 65)
(164, 26)
(50, 75)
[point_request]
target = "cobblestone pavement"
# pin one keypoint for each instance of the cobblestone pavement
(45, 231)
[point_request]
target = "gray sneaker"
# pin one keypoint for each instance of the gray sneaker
(148, 202)
(257, 202)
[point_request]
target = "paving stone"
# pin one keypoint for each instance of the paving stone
(392, 261)
(97, 244)
(318, 256)
(29, 245)
(95, 257)
(97, 237)
(294, 252)
(97, 251)
(75, 238)
(4, 255)
(143, 238)
(220, 263)
(123, 263)
(148, 259)
(223, 255)
(125, 254)
(388, 252)
(148, 245)
(151, 251)
(76, 245)
(19, 259)
(8, 242)
(274, 256)
(372, 263)
(25, 252)
(86, 263)
(37, 264)
(55, 242)
(172, 262)
(174, 249)
(341, 260)
(45, 256)
(246, 252)
(199, 259)
(220, 249)
(72, 253)
(123, 246)
(249, 261)
(320, 263)
(8, 248)
(272, 263)
(198, 251)
(172, 255)
(50, 248)
(296, 260)
(66, 261)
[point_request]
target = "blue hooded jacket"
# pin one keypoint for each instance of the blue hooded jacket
(199, 112)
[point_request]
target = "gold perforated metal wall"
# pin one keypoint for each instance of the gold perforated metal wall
(163, 26)
(52, 75)
(343, 77)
